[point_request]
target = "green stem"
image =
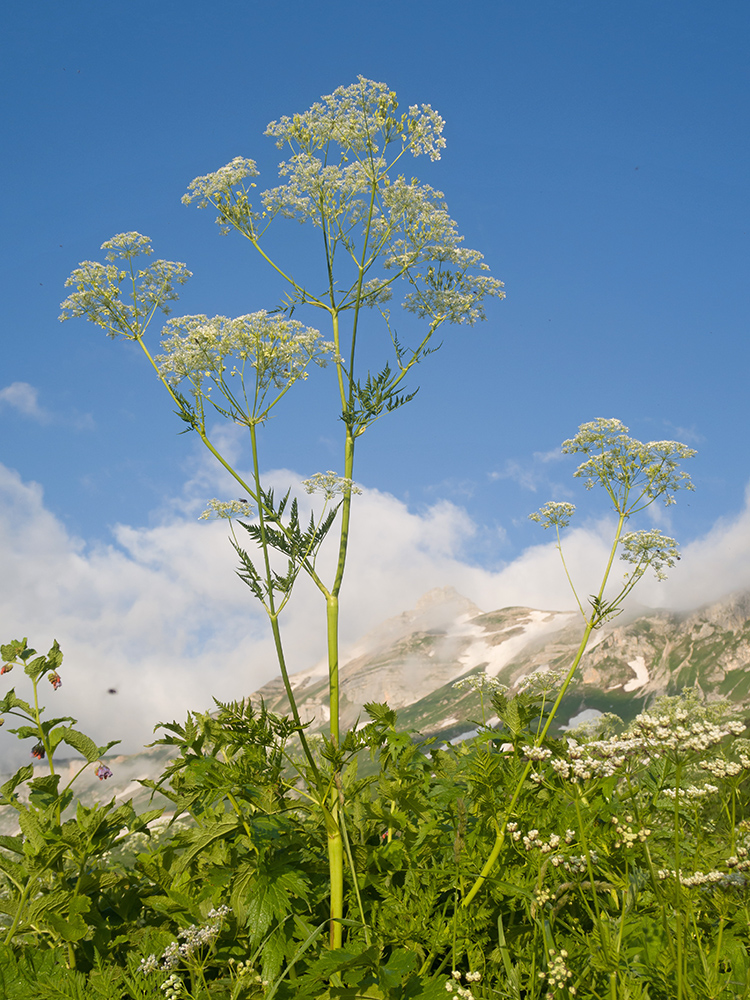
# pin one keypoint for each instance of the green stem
(21, 900)
(591, 624)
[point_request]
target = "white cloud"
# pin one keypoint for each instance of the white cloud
(25, 398)
(160, 615)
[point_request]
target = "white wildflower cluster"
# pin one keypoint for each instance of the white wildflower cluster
(572, 863)
(317, 192)
(532, 841)
(537, 753)
(724, 880)
(330, 485)
(246, 970)
(220, 186)
(481, 682)
(227, 509)
(196, 936)
(542, 681)
(721, 768)
(173, 988)
(262, 351)
(649, 549)
(362, 118)
(690, 792)
(453, 985)
(98, 295)
(558, 973)
(627, 836)
(625, 466)
(554, 513)
(376, 292)
(651, 735)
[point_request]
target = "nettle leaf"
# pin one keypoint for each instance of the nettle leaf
(10, 701)
(80, 742)
(23, 774)
(36, 668)
(15, 871)
(26, 732)
(32, 830)
(43, 791)
(74, 927)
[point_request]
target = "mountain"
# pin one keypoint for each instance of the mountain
(412, 662)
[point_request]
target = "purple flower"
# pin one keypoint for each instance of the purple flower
(103, 772)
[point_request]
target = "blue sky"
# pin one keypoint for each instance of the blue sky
(597, 154)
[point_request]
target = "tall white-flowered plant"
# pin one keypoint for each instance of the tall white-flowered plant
(379, 233)
(634, 475)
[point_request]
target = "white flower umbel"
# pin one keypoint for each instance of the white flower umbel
(226, 509)
(99, 297)
(330, 485)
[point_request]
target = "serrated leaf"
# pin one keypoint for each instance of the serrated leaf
(31, 829)
(20, 776)
(14, 870)
(82, 743)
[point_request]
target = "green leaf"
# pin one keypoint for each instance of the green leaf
(204, 839)
(400, 964)
(36, 668)
(80, 742)
(74, 927)
(31, 828)
(15, 871)
(43, 791)
(23, 774)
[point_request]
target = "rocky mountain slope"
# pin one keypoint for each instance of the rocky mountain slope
(412, 662)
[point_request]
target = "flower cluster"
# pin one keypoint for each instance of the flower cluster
(558, 973)
(691, 792)
(173, 988)
(228, 509)
(623, 465)
(627, 836)
(721, 768)
(358, 118)
(672, 731)
(724, 880)
(649, 548)
(532, 840)
(453, 985)
(481, 682)
(55, 680)
(330, 485)
(542, 681)
(103, 772)
(196, 937)
(554, 513)
(98, 294)
(263, 351)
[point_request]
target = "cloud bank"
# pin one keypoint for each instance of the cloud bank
(159, 615)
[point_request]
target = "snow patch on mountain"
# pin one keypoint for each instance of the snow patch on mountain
(537, 625)
(638, 665)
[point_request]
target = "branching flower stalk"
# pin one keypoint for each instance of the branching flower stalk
(376, 229)
(634, 475)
